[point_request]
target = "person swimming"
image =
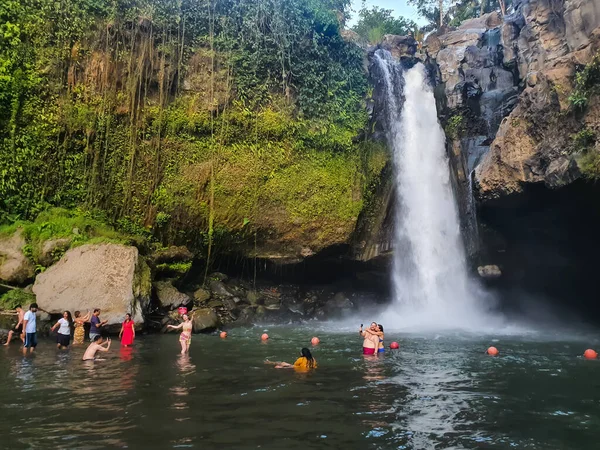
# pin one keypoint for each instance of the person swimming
(304, 363)
(96, 346)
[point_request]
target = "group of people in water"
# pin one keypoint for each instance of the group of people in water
(373, 339)
(26, 330)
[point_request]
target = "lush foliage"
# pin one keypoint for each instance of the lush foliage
(455, 127)
(455, 11)
(16, 297)
(587, 83)
(186, 120)
(376, 22)
(73, 227)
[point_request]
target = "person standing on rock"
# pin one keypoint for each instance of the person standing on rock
(127, 333)
(63, 338)
(96, 324)
(30, 328)
(18, 329)
(185, 338)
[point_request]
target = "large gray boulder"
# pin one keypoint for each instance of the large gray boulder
(15, 267)
(111, 277)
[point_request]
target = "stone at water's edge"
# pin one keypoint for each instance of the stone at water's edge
(15, 267)
(204, 319)
(168, 295)
(108, 276)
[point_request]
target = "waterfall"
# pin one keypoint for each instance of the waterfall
(430, 280)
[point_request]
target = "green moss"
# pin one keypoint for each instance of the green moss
(16, 297)
(80, 227)
(178, 268)
(142, 279)
(455, 127)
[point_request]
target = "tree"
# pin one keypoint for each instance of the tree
(376, 22)
(453, 12)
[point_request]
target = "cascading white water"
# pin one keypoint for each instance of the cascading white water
(431, 285)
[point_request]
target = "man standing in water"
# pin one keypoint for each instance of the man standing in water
(18, 327)
(30, 328)
(96, 324)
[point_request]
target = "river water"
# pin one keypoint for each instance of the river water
(437, 391)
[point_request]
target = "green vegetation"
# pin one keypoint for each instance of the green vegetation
(69, 228)
(440, 13)
(15, 297)
(587, 83)
(589, 158)
(197, 122)
(376, 22)
(174, 269)
(455, 127)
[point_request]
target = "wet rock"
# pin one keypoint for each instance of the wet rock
(245, 317)
(253, 297)
(339, 304)
(15, 267)
(229, 303)
(489, 272)
(204, 319)
(172, 254)
(219, 288)
(214, 303)
(201, 295)
(169, 296)
(106, 276)
(271, 299)
(218, 276)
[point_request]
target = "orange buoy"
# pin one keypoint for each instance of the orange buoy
(492, 351)
(315, 341)
(223, 334)
(394, 346)
(264, 337)
(590, 354)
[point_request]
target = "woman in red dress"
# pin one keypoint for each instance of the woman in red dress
(127, 333)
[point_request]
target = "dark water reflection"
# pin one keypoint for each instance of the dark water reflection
(436, 392)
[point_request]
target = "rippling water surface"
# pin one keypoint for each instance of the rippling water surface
(437, 391)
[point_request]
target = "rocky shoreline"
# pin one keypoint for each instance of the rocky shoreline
(117, 279)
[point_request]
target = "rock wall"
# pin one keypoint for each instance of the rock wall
(547, 41)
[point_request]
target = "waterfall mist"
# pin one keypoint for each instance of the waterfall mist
(432, 289)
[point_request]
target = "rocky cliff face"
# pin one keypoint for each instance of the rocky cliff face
(519, 101)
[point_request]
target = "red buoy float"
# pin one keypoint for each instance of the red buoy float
(223, 334)
(492, 351)
(264, 337)
(590, 354)
(315, 341)
(394, 346)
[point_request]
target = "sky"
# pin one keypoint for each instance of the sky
(399, 7)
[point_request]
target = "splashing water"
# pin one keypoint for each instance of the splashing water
(431, 285)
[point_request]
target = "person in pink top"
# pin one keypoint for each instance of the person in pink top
(127, 333)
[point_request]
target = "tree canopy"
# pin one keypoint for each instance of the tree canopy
(376, 22)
